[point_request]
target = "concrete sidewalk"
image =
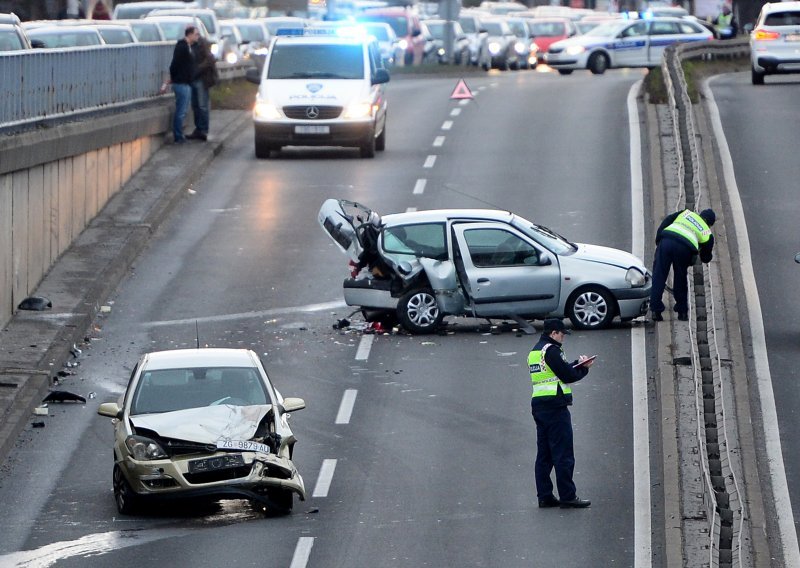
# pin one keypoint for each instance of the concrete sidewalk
(34, 346)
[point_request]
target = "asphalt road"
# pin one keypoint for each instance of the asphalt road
(434, 465)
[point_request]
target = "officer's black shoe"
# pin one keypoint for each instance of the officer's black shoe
(657, 316)
(576, 503)
(683, 316)
(549, 502)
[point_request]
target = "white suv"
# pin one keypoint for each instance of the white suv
(775, 41)
(321, 90)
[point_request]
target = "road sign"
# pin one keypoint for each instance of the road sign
(461, 91)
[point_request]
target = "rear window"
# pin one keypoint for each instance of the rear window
(548, 29)
(316, 62)
(116, 36)
(783, 19)
(468, 24)
(252, 33)
(146, 32)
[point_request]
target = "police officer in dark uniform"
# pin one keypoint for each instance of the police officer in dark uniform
(680, 237)
(551, 376)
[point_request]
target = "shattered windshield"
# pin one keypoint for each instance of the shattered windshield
(548, 238)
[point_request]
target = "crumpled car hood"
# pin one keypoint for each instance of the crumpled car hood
(205, 425)
(607, 255)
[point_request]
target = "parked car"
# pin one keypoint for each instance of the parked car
(12, 36)
(255, 39)
(497, 49)
(174, 27)
(203, 424)
(116, 32)
(775, 41)
(424, 265)
(146, 32)
(60, 36)
(460, 48)
(547, 31)
(232, 41)
(525, 46)
(209, 19)
(471, 24)
(136, 10)
(406, 25)
(388, 43)
(637, 43)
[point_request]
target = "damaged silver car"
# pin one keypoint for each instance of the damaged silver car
(203, 424)
(423, 265)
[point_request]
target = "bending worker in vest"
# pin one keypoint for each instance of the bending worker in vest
(680, 237)
(551, 376)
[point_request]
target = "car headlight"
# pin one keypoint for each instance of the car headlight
(266, 111)
(635, 278)
(494, 47)
(403, 44)
(358, 110)
(440, 51)
(215, 49)
(143, 449)
(575, 50)
(261, 51)
(520, 48)
(231, 58)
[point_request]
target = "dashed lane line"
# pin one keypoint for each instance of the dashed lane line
(419, 187)
(346, 406)
(455, 112)
(364, 346)
(325, 478)
(438, 141)
(302, 552)
(429, 161)
(447, 124)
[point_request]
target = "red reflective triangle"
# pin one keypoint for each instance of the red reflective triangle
(461, 91)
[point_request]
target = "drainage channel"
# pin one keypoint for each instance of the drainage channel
(720, 482)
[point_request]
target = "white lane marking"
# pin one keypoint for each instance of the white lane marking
(429, 161)
(438, 141)
(455, 112)
(302, 552)
(362, 354)
(258, 314)
(643, 548)
(766, 396)
(419, 187)
(447, 124)
(346, 406)
(325, 478)
(464, 102)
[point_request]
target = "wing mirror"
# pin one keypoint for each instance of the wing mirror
(291, 404)
(110, 409)
(380, 76)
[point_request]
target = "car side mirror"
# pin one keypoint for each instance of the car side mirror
(380, 76)
(415, 32)
(253, 75)
(110, 410)
(291, 404)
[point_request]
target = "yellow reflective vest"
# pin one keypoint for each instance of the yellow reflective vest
(544, 381)
(691, 227)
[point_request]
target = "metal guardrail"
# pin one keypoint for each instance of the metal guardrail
(44, 84)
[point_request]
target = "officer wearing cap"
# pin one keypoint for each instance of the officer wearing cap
(680, 237)
(551, 376)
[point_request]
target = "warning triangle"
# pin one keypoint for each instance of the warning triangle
(461, 91)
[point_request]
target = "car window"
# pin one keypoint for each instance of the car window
(637, 29)
(252, 33)
(783, 19)
(492, 248)
(378, 32)
(10, 41)
(145, 32)
(664, 28)
(687, 28)
(548, 29)
(375, 60)
(399, 23)
(468, 24)
(116, 36)
(424, 239)
(316, 62)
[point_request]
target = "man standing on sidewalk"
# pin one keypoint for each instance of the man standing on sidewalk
(205, 77)
(181, 74)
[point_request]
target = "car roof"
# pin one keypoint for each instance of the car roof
(206, 357)
(321, 40)
(442, 215)
(781, 6)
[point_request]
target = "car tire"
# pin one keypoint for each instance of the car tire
(565, 71)
(263, 149)
(380, 141)
(598, 63)
(128, 502)
(419, 312)
(591, 307)
(282, 500)
(368, 148)
(757, 77)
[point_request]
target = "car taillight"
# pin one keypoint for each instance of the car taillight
(764, 35)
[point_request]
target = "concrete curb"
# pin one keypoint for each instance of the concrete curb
(36, 344)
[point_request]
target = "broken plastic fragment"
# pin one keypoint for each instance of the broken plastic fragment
(63, 396)
(36, 303)
(105, 309)
(41, 410)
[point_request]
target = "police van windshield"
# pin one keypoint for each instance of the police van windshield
(316, 62)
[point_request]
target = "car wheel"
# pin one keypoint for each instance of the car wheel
(591, 308)
(263, 149)
(282, 500)
(368, 147)
(418, 311)
(380, 142)
(128, 502)
(598, 63)
(756, 77)
(565, 71)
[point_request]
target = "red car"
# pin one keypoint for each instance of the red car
(549, 30)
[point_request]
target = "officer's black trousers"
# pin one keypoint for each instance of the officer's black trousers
(678, 255)
(554, 450)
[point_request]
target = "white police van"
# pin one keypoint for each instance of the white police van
(321, 88)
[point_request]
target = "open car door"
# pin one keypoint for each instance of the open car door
(343, 221)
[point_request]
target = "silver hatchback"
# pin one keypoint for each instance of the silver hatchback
(424, 265)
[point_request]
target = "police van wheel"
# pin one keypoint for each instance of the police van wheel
(591, 308)
(380, 142)
(263, 149)
(756, 77)
(418, 311)
(598, 63)
(368, 148)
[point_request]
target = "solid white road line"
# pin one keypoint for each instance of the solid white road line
(419, 187)
(455, 112)
(772, 439)
(429, 161)
(346, 406)
(447, 124)
(438, 141)
(362, 353)
(324, 479)
(302, 552)
(643, 548)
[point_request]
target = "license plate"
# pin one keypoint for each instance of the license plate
(792, 37)
(312, 129)
(243, 446)
(217, 462)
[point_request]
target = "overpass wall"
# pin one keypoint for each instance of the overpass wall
(54, 181)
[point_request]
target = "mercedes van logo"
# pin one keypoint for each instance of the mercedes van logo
(312, 112)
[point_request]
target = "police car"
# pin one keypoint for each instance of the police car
(627, 43)
(321, 87)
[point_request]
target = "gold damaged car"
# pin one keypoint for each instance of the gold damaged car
(203, 424)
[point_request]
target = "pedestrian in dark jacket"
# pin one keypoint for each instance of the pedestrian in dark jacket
(551, 376)
(181, 74)
(679, 239)
(205, 77)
